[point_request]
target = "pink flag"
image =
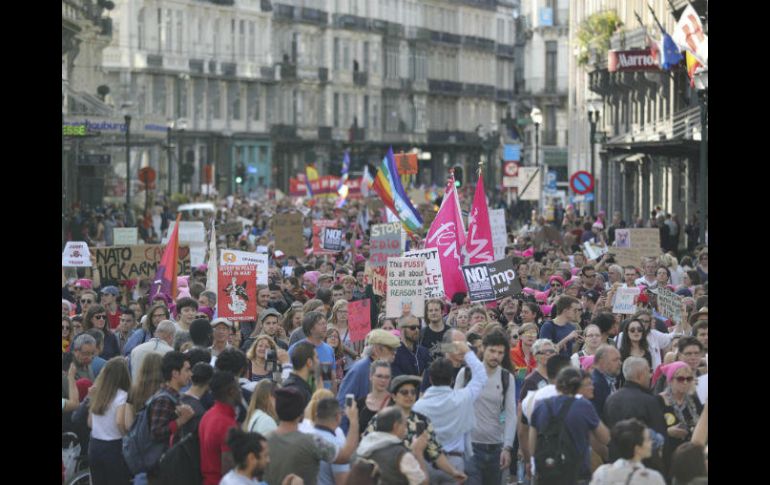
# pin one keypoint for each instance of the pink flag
(478, 246)
(445, 234)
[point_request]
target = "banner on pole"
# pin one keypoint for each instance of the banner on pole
(387, 241)
(359, 319)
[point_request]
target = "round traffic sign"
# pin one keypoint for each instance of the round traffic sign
(511, 169)
(581, 182)
(147, 175)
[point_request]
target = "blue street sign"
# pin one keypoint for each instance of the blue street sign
(551, 180)
(512, 152)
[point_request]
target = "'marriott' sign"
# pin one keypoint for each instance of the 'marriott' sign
(633, 60)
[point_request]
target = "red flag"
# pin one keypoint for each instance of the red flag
(444, 234)
(165, 276)
(478, 246)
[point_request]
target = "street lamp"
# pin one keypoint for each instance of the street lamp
(702, 85)
(128, 167)
(178, 124)
(537, 118)
(594, 110)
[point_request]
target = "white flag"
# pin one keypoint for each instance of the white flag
(211, 276)
(688, 34)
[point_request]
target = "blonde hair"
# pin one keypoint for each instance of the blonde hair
(337, 306)
(147, 381)
(252, 353)
(527, 327)
(260, 399)
(311, 411)
(114, 376)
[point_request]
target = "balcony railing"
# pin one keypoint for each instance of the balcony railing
(283, 131)
(288, 71)
(436, 86)
(445, 37)
(325, 133)
(504, 50)
(478, 43)
(684, 125)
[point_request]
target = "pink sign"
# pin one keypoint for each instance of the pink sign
(359, 319)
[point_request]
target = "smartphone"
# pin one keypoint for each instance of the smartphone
(421, 427)
(349, 400)
(448, 348)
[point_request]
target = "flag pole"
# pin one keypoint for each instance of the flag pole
(655, 17)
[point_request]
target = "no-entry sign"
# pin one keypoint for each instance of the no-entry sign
(581, 182)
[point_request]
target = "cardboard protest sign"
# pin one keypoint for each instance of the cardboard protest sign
(197, 254)
(594, 251)
(625, 299)
(288, 234)
(499, 232)
(434, 282)
(478, 282)
(633, 245)
(262, 249)
(503, 278)
(133, 262)
(232, 227)
(318, 235)
(332, 239)
(359, 319)
(237, 298)
(406, 163)
(387, 241)
(405, 295)
(125, 236)
(231, 257)
(377, 277)
(670, 305)
(76, 255)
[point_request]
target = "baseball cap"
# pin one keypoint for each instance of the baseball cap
(279, 254)
(379, 336)
(399, 381)
(217, 321)
(592, 295)
(267, 312)
(110, 290)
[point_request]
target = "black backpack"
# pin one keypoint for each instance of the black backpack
(505, 376)
(181, 464)
(556, 459)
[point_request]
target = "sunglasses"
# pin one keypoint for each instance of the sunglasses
(529, 334)
(684, 379)
(515, 336)
(408, 392)
(86, 301)
(100, 317)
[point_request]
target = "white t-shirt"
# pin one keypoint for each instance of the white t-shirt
(261, 422)
(105, 427)
(702, 388)
(327, 470)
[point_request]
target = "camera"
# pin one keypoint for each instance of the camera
(271, 360)
(349, 398)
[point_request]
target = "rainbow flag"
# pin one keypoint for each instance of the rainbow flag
(165, 276)
(311, 175)
(387, 184)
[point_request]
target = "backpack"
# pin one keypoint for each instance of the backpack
(505, 376)
(556, 460)
(181, 464)
(140, 450)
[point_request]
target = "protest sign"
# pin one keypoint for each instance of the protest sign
(359, 319)
(132, 262)
(197, 254)
(405, 287)
(434, 282)
(237, 299)
(670, 305)
(633, 245)
(499, 232)
(231, 257)
(262, 249)
(125, 236)
(625, 301)
(76, 255)
(332, 240)
(594, 251)
(478, 282)
(232, 227)
(387, 241)
(377, 277)
(318, 235)
(288, 234)
(189, 232)
(503, 278)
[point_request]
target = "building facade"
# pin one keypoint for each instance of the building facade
(647, 151)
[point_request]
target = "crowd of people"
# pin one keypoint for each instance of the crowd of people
(545, 386)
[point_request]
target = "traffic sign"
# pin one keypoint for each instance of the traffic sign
(147, 175)
(511, 169)
(551, 180)
(581, 182)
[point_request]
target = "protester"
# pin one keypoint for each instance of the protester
(215, 455)
(156, 314)
(261, 417)
(314, 327)
(161, 344)
(522, 355)
(681, 408)
(411, 357)
(563, 330)
(605, 375)
(202, 373)
(633, 443)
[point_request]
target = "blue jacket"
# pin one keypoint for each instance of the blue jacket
(355, 382)
(138, 337)
(601, 391)
(410, 363)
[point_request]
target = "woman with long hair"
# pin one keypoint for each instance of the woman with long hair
(593, 340)
(531, 313)
(681, 408)
(66, 333)
(378, 397)
(96, 317)
(156, 314)
(257, 355)
(311, 409)
(335, 342)
(633, 443)
(339, 320)
(634, 342)
(522, 357)
(105, 455)
(261, 416)
(292, 319)
(147, 383)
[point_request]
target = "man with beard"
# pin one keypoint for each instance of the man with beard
(431, 335)
(411, 357)
(492, 443)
